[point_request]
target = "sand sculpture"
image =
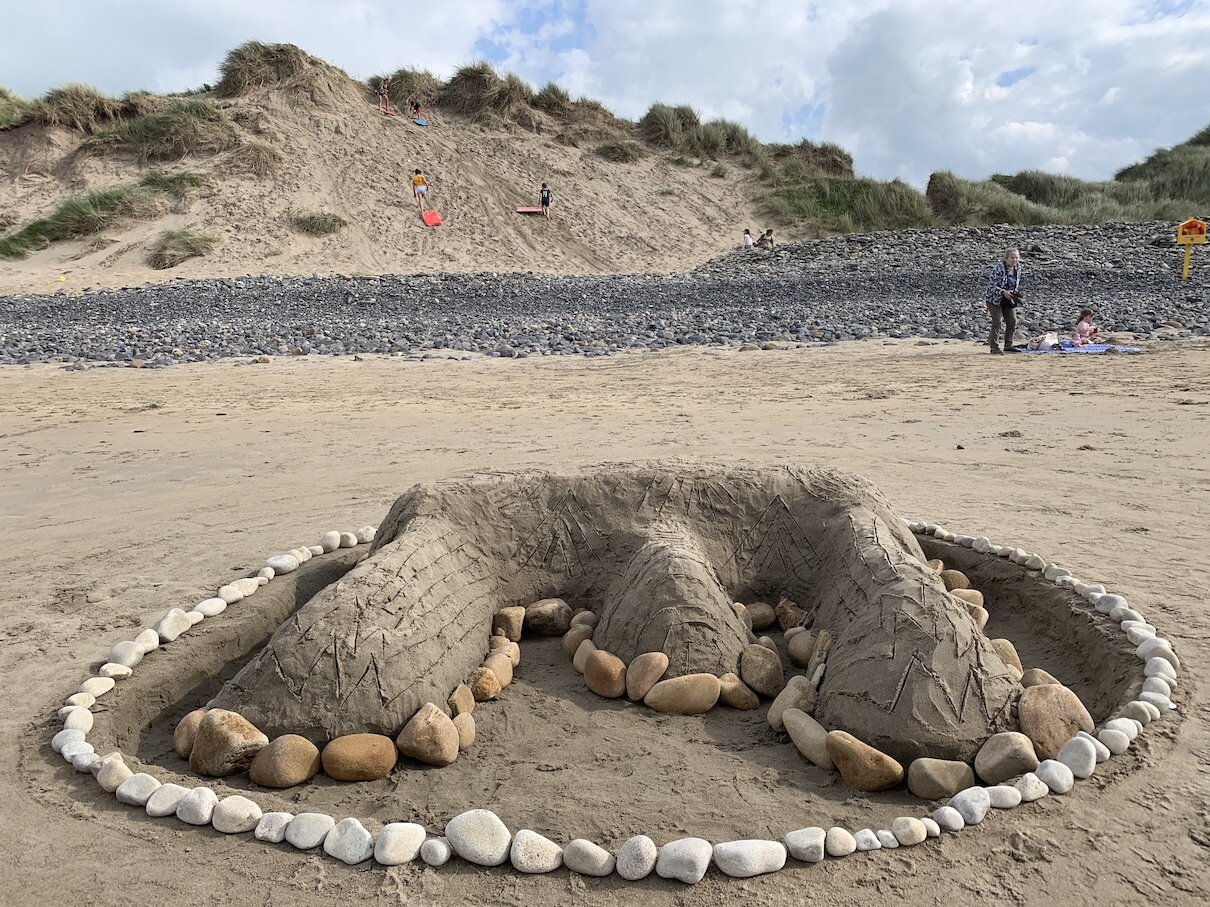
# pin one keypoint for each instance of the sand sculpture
(659, 553)
(849, 554)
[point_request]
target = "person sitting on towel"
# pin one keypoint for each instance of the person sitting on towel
(417, 110)
(1086, 332)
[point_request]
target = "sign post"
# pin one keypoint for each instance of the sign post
(1190, 233)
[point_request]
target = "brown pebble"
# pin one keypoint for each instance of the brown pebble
(359, 757)
(734, 694)
(288, 760)
(429, 737)
(465, 724)
(182, 736)
(484, 685)
(575, 636)
(644, 671)
(862, 767)
(955, 579)
(461, 701)
(510, 621)
(502, 666)
(969, 596)
(605, 674)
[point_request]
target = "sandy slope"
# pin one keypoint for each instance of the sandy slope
(343, 157)
(129, 490)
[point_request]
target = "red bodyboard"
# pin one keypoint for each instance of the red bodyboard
(528, 210)
(430, 218)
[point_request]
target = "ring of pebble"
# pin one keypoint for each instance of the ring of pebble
(479, 836)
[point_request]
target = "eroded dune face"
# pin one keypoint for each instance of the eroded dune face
(660, 552)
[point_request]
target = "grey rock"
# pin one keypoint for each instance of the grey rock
(307, 830)
(478, 836)
(1057, 777)
(972, 804)
(887, 839)
(137, 789)
(533, 853)
(1102, 751)
(165, 800)
(399, 843)
(744, 859)
(197, 806)
(272, 827)
(350, 842)
(867, 839)
(948, 818)
(587, 858)
(64, 737)
(685, 859)
(637, 858)
(436, 852)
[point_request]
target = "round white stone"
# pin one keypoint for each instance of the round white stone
(194, 617)
(83, 700)
(1124, 613)
(1034, 562)
(137, 789)
(97, 686)
(172, 625)
(197, 806)
(478, 836)
(982, 544)
(1114, 742)
(66, 710)
(1157, 685)
(1054, 571)
(272, 827)
(930, 826)
(315, 550)
(164, 800)
(806, 844)
(235, 815)
(838, 842)
(1093, 597)
(948, 818)
(1004, 797)
(330, 541)
(307, 830)
(282, 563)
(78, 720)
(148, 639)
(64, 737)
(887, 839)
(348, 540)
(1102, 753)
(1031, 787)
(249, 585)
(1125, 725)
(685, 859)
(1158, 647)
(972, 804)
(114, 671)
(436, 851)
(76, 748)
(636, 858)
(1079, 755)
(230, 594)
(582, 855)
(1106, 603)
(111, 772)
(127, 652)
(302, 554)
(266, 573)
(365, 535)
(909, 831)
(1160, 667)
(211, 607)
(85, 762)
(744, 859)
(1140, 712)
(350, 842)
(531, 852)
(1160, 701)
(1056, 776)
(399, 843)
(866, 840)
(1137, 634)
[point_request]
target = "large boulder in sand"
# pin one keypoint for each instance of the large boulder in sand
(225, 744)
(359, 757)
(429, 737)
(660, 552)
(861, 765)
(1050, 715)
(548, 617)
(286, 761)
(691, 694)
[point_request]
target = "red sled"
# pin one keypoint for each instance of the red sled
(430, 218)
(529, 209)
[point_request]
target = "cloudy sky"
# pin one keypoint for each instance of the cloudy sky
(908, 86)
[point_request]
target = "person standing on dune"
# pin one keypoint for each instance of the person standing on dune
(545, 197)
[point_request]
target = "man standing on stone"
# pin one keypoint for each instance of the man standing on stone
(1002, 297)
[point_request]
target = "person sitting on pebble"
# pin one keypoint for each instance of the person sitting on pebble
(766, 240)
(1002, 296)
(1086, 332)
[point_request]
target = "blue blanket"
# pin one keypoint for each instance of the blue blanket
(1066, 346)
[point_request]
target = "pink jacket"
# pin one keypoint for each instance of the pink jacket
(1084, 332)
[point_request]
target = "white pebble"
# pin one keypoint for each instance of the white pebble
(806, 844)
(329, 541)
(97, 686)
(1160, 701)
(1124, 613)
(78, 720)
(282, 563)
(583, 856)
(948, 818)
(111, 772)
(1054, 571)
(307, 830)
(972, 804)
(64, 737)
(1034, 562)
(933, 829)
(266, 573)
(83, 700)
(1031, 787)
(76, 748)
(1159, 667)
(235, 814)
(194, 617)
(1004, 797)
(887, 839)
(1056, 776)
(302, 553)
(197, 806)
(1102, 753)
(148, 639)
(1142, 712)
(172, 624)
(531, 852)
(1158, 647)
(436, 851)
(348, 540)
(85, 762)
(478, 836)
(230, 594)
(1079, 755)
(365, 535)
(982, 544)
(1125, 725)
(272, 827)
(115, 671)
(1114, 742)
(745, 859)
(127, 653)
(1157, 685)
(1106, 603)
(211, 607)
(398, 843)
(685, 859)
(137, 789)
(315, 550)
(636, 858)
(1137, 634)
(866, 840)
(164, 800)
(350, 842)
(838, 842)
(909, 831)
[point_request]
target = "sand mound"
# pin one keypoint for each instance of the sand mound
(320, 145)
(659, 552)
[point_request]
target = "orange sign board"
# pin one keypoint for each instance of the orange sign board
(1191, 233)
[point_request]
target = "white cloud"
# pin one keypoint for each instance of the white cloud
(907, 86)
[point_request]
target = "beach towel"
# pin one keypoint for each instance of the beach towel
(1066, 346)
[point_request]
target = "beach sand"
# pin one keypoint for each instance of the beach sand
(127, 492)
